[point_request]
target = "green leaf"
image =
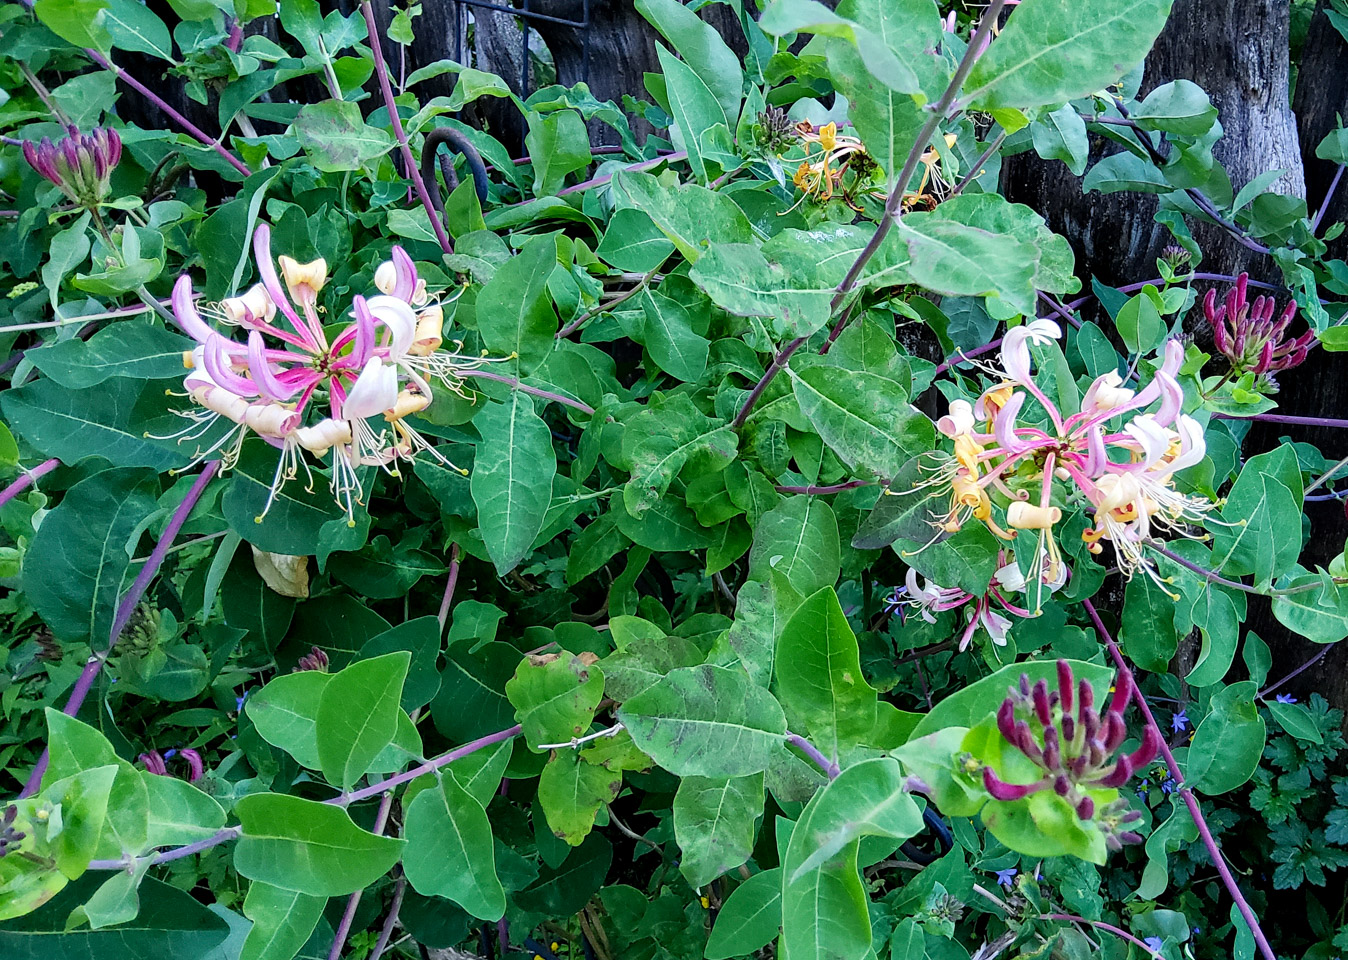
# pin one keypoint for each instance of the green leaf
(293, 524)
(1179, 107)
(1227, 745)
(283, 921)
(1147, 631)
(642, 662)
(668, 333)
(702, 49)
(749, 918)
(1295, 720)
(285, 713)
(714, 821)
(75, 747)
(558, 144)
(1125, 171)
(514, 312)
(179, 813)
(799, 540)
(957, 259)
(1264, 505)
(741, 280)
(512, 478)
(74, 567)
(336, 137)
(1051, 51)
(691, 216)
(974, 703)
(864, 418)
(819, 678)
(633, 242)
(555, 696)
(886, 119)
(824, 906)
(309, 847)
(115, 421)
(358, 716)
(706, 721)
(1319, 615)
(420, 638)
(137, 350)
(384, 571)
(1061, 135)
(693, 106)
(170, 924)
(134, 27)
(82, 23)
(449, 852)
(1140, 324)
(82, 800)
(571, 791)
(666, 438)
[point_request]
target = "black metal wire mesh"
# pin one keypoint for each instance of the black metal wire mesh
(524, 13)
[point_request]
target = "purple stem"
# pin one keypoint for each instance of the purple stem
(1190, 801)
(1329, 195)
(525, 388)
(1060, 310)
(811, 751)
(1108, 927)
(834, 488)
(643, 165)
(391, 921)
(1285, 418)
(1213, 277)
(27, 480)
(342, 800)
(427, 767)
(386, 90)
(969, 355)
(937, 113)
(128, 606)
(349, 914)
(1298, 671)
(224, 835)
(893, 205)
(174, 115)
(448, 598)
(778, 362)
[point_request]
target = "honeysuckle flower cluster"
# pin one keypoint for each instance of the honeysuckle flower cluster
(1247, 335)
(820, 174)
(989, 610)
(1066, 738)
(1117, 459)
(381, 363)
(80, 164)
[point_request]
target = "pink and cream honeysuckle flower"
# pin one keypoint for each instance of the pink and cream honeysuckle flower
(381, 364)
(1119, 453)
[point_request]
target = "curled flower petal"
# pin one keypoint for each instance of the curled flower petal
(1001, 790)
(260, 370)
(400, 320)
(185, 311)
(375, 390)
(218, 366)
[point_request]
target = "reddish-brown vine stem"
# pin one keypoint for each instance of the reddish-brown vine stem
(1246, 911)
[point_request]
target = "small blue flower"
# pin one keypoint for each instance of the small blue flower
(1168, 786)
(170, 754)
(1154, 944)
(1179, 722)
(1197, 931)
(1004, 877)
(1285, 698)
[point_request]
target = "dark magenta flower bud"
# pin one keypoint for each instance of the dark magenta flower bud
(1041, 704)
(1086, 808)
(154, 763)
(195, 768)
(1001, 790)
(1065, 686)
